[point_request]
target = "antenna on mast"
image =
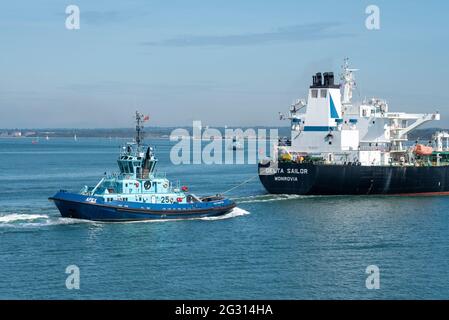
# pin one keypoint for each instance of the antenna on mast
(139, 128)
(140, 119)
(347, 76)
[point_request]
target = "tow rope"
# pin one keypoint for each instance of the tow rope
(241, 184)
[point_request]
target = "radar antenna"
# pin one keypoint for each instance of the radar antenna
(347, 76)
(140, 118)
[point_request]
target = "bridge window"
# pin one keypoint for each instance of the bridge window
(323, 93)
(123, 165)
(314, 93)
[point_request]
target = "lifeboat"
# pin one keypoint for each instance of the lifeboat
(422, 150)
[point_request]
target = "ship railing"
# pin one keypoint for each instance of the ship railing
(97, 186)
(176, 186)
(112, 176)
(160, 175)
(374, 148)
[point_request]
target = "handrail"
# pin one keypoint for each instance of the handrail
(96, 187)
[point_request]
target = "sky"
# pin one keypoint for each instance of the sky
(230, 62)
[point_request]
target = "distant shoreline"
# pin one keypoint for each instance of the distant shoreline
(150, 132)
(121, 138)
(154, 132)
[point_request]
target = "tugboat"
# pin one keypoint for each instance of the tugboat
(137, 192)
(340, 147)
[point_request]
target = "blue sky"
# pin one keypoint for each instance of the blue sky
(222, 62)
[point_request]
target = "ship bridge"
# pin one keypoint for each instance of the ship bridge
(135, 163)
(136, 177)
(330, 126)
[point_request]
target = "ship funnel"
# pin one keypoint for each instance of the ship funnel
(317, 80)
(328, 79)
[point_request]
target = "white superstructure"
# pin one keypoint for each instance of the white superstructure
(331, 126)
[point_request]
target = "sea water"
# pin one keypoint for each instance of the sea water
(270, 247)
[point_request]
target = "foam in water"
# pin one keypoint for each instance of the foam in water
(54, 222)
(43, 220)
(22, 220)
(21, 217)
(236, 212)
(269, 198)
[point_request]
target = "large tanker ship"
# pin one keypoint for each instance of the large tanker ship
(338, 147)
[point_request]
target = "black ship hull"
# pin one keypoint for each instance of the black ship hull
(323, 179)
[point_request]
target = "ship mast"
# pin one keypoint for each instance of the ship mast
(139, 128)
(348, 84)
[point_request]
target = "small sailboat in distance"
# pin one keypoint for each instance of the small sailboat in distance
(75, 138)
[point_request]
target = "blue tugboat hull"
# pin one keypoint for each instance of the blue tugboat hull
(72, 205)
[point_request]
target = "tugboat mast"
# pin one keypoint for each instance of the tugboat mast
(139, 128)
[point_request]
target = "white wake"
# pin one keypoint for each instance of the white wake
(236, 212)
(16, 220)
(269, 198)
(43, 220)
(9, 218)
